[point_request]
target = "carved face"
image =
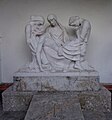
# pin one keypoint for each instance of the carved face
(52, 19)
(52, 22)
(75, 23)
(38, 27)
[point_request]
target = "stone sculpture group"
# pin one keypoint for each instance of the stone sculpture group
(58, 80)
(51, 47)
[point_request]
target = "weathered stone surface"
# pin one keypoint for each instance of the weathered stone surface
(89, 100)
(16, 101)
(94, 115)
(96, 101)
(108, 115)
(73, 81)
(61, 106)
(72, 73)
(13, 115)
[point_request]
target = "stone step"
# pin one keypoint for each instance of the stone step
(54, 106)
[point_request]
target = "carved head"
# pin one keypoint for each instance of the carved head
(75, 21)
(37, 23)
(52, 19)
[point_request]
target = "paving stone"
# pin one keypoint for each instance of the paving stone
(13, 116)
(97, 115)
(62, 106)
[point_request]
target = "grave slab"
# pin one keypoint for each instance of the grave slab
(55, 106)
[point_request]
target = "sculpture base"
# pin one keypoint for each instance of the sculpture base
(68, 105)
(73, 81)
(84, 85)
(16, 101)
(89, 100)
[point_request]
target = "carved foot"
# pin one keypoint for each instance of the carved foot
(78, 66)
(86, 66)
(83, 66)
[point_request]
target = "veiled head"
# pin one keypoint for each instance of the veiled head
(75, 21)
(52, 19)
(37, 23)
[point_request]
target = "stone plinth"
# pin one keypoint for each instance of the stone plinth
(89, 100)
(85, 85)
(72, 81)
(95, 101)
(16, 101)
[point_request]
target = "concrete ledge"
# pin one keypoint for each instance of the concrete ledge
(75, 73)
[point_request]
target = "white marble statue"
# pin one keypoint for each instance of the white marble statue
(35, 34)
(51, 48)
(83, 29)
(56, 37)
(75, 50)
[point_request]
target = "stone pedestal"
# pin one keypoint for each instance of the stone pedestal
(89, 100)
(72, 81)
(15, 100)
(95, 100)
(84, 86)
